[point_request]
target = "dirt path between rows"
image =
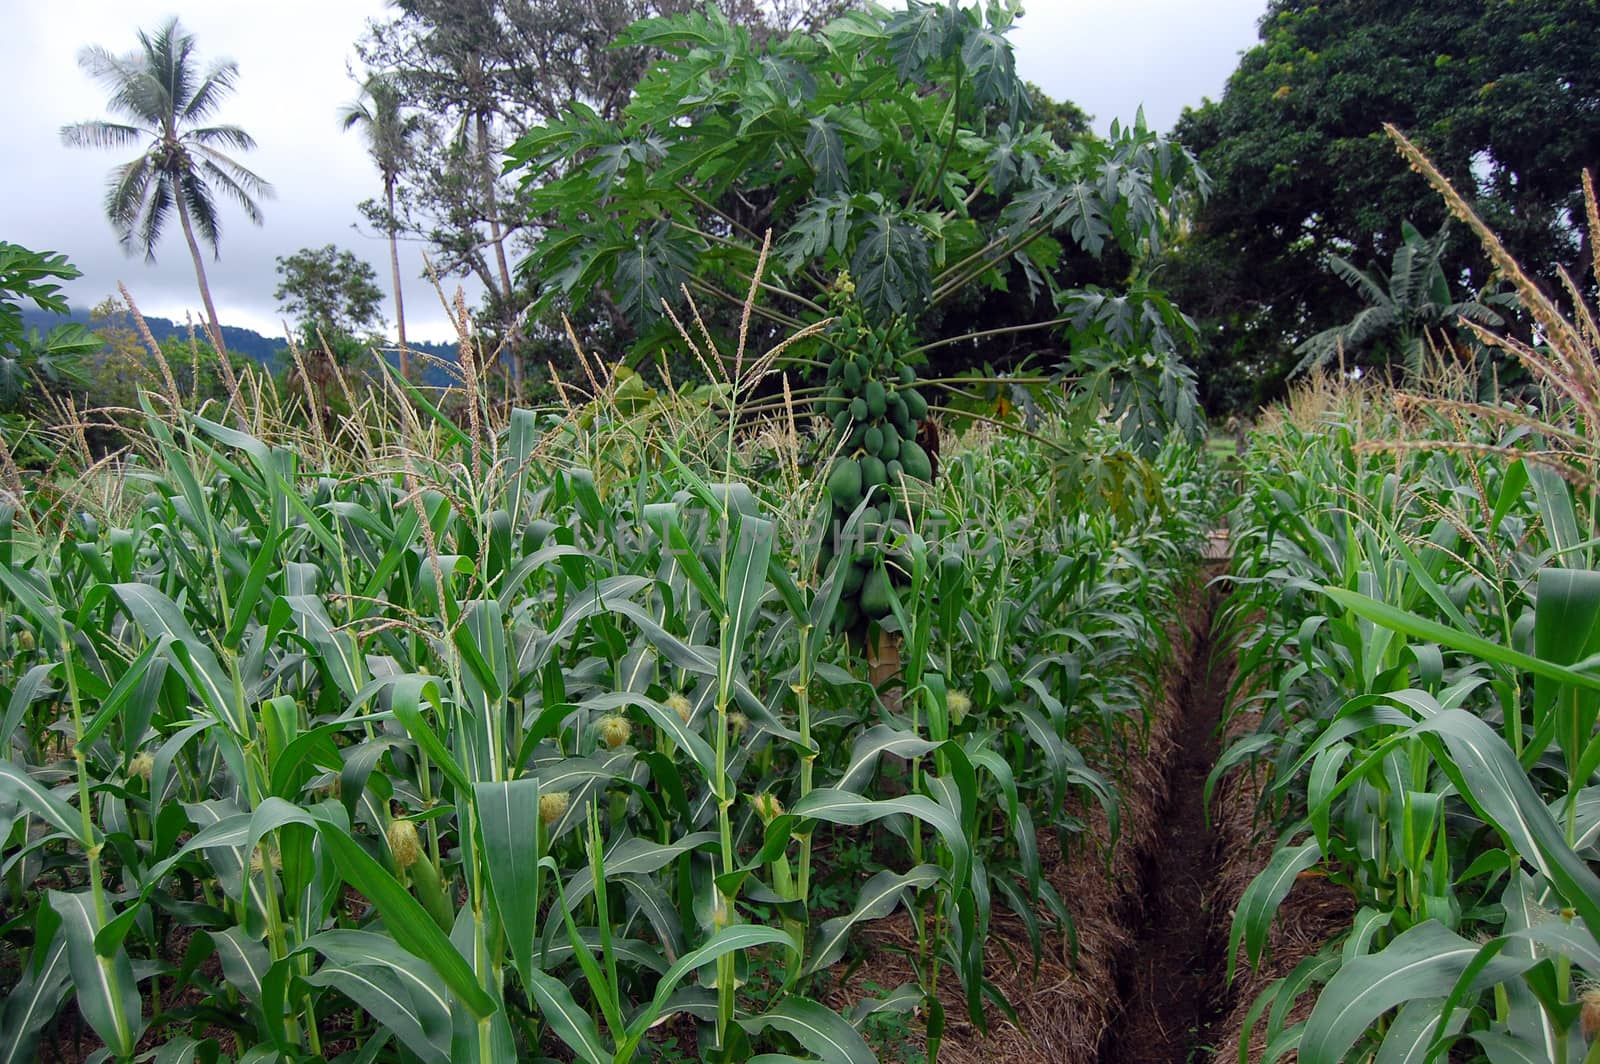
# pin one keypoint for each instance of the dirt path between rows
(1170, 981)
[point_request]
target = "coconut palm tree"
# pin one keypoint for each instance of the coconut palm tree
(166, 98)
(378, 113)
(1401, 308)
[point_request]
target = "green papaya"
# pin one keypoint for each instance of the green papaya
(844, 484)
(852, 376)
(891, 444)
(915, 460)
(907, 374)
(854, 574)
(876, 593)
(893, 470)
(916, 405)
(873, 440)
(859, 409)
(875, 397)
(873, 474)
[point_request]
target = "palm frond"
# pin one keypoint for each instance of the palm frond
(96, 133)
(152, 216)
(202, 208)
(126, 193)
(244, 177)
(228, 136)
(168, 55)
(135, 89)
(233, 189)
(221, 78)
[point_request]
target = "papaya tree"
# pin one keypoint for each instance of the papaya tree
(892, 158)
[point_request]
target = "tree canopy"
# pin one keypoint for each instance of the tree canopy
(894, 145)
(329, 290)
(169, 102)
(1503, 96)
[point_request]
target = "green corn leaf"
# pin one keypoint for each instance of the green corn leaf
(351, 949)
(820, 1030)
(1564, 633)
(1422, 628)
(107, 994)
(19, 787)
(409, 695)
(1502, 1047)
(1413, 1031)
(569, 1021)
(382, 993)
(1554, 496)
(746, 579)
(508, 815)
(841, 807)
(33, 1001)
(728, 940)
(1488, 776)
(404, 917)
(871, 744)
(1261, 899)
(1423, 962)
(879, 897)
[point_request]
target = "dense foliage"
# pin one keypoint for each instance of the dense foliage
(447, 743)
(329, 290)
(1504, 96)
(1419, 612)
(894, 145)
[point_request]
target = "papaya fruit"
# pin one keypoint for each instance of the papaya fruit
(873, 474)
(875, 396)
(915, 461)
(916, 405)
(844, 484)
(876, 593)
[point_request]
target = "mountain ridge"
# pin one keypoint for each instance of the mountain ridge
(240, 340)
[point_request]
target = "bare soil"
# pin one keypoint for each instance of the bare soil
(1170, 983)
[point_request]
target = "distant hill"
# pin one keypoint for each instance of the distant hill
(246, 342)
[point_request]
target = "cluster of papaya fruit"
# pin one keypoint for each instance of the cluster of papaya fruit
(876, 411)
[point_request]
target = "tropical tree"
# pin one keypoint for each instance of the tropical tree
(380, 116)
(33, 366)
(1402, 309)
(1505, 99)
(329, 291)
(168, 100)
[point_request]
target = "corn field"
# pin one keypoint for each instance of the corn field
(529, 735)
(1415, 603)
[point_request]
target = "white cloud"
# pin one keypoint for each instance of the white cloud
(1111, 57)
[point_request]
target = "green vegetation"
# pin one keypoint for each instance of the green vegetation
(816, 617)
(166, 97)
(455, 753)
(1419, 614)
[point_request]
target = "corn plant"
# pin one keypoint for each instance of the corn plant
(444, 738)
(1417, 614)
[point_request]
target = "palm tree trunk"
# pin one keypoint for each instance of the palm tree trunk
(200, 275)
(394, 266)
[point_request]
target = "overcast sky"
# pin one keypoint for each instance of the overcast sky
(1109, 56)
